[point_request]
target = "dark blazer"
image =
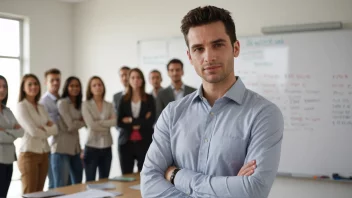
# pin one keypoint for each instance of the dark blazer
(166, 96)
(146, 125)
(116, 101)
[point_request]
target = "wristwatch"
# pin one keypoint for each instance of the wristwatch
(173, 175)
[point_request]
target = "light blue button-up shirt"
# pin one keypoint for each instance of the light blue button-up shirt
(211, 143)
(49, 102)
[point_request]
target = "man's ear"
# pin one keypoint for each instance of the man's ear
(236, 49)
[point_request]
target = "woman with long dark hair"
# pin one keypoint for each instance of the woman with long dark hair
(136, 117)
(34, 157)
(99, 116)
(66, 149)
(10, 130)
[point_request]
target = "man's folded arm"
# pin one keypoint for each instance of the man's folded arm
(157, 161)
(264, 147)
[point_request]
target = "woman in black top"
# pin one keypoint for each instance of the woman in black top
(136, 116)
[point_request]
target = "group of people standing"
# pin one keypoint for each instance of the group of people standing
(138, 111)
(49, 126)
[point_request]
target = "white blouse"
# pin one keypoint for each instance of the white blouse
(136, 108)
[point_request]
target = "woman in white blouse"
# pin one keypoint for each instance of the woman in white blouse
(99, 116)
(66, 149)
(33, 161)
(10, 130)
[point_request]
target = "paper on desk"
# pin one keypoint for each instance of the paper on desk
(49, 193)
(92, 193)
(101, 186)
(136, 187)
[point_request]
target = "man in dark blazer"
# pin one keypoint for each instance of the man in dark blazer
(155, 80)
(176, 90)
(123, 73)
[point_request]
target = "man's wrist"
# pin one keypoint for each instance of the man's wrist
(173, 175)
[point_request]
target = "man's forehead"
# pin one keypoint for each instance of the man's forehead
(124, 71)
(154, 74)
(207, 33)
(53, 76)
(175, 66)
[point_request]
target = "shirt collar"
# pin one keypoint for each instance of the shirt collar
(235, 93)
(182, 87)
(51, 96)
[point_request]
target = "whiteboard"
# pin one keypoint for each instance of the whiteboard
(308, 76)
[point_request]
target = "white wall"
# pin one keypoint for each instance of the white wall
(50, 41)
(50, 33)
(107, 31)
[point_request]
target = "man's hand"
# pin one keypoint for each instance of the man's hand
(1, 129)
(168, 172)
(17, 126)
(248, 169)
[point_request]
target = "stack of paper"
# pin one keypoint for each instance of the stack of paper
(136, 187)
(43, 194)
(101, 186)
(92, 194)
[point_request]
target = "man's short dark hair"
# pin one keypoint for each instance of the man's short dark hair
(174, 61)
(206, 15)
(125, 68)
(156, 71)
(52, 71)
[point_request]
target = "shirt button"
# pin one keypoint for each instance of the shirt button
(206, 140)
(211, 113)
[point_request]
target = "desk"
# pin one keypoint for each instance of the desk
(123, 187)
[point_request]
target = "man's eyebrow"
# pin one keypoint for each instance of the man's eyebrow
(196, 46)
(218, 41)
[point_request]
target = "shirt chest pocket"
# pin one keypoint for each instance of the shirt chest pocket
(229, 150)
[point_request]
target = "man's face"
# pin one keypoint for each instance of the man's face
(155, 79)
(211, 52)
(53, 82)
(175, 72)
(124, 77)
